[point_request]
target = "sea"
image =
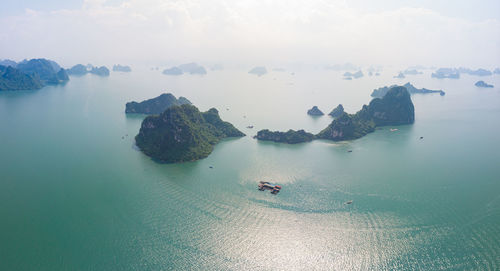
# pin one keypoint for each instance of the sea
(77, 194)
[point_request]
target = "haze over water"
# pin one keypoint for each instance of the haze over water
(76, 196)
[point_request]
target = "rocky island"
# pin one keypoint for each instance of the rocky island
(314, 111)
(172, 71)
(446, 73)
(31, 74)
(380, 92)
(183, 133)
(156, 105)
(290, 137)
(482, 84)
(355, 75)
(193, 68)
(337, 111)
(395, 108)
(120, 68)
(100, 71)
(13, 79)
(259, 71)
(78, 69)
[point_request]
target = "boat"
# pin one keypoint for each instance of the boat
(393, 130)
(275, 189)
(348, 202)
(250, 127)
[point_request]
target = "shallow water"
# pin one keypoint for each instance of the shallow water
(74, 195)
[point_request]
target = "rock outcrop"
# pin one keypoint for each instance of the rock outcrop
(183, 133)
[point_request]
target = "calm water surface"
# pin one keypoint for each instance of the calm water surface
(76, 195)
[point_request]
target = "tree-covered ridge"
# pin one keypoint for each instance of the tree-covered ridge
(156, 105)
(183, 133)
(395, 108)
(289, 137)
(380, 92)
(14, 79)
(47, 71)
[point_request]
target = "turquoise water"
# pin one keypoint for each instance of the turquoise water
(75, 195)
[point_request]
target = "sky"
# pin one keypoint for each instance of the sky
(250, 32)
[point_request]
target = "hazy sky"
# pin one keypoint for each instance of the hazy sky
(319, 32)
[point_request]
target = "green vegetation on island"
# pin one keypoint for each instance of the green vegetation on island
(156, 105)
(14, 79)
(337, 111)
(380, 92)
(314, 111)
(183, 133)
(80, 69)
(395, 108)
(47, 71)
(30, 74)
(290, 137)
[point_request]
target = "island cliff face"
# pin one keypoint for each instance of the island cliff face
(14, 79)
(183, 133)
(31, 74)
(156, 105)
(337, 111)
(46, 70)
(314, 111)
(395, 108)
(290, 137)
(380, 92)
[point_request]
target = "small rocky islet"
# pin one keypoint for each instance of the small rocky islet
(482, 84)
(314, 111)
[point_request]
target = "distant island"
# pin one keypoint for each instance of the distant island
(411, 72)
(290, 137)
(156, 105)
(395, 108)
(496, 71)
(191, 68)
(380, 92)
(478, 72)
(482, 84)
(183, 133)
(314, 111)
(337, 111)
(120, 68)
(446, 73)
(400, 76)
(355, 75)
(80, 69)
(31, 74)
(455, 73)
(172, 71)
(259, 71)
(101, 71)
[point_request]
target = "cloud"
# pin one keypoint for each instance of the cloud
(253, 32)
